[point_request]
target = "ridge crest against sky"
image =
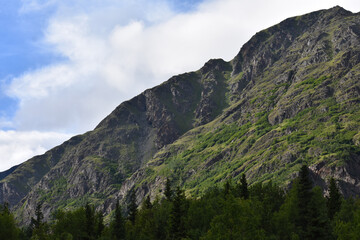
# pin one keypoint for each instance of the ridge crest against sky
(66, 64)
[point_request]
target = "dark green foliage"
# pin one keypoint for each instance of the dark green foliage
(304, 201)
(39, 217)
(240, 219)
(178, 215)
(147, 203)
(168, 191)
(39, 228)
(334, 199)
(8, 228)
(90, 221)
(270, 198)
(132, 207)
(227, 187)
(99, 228)
(347, 221)
(303, 214)
(319, 223)
(243, 187)
(118, 224)
(81, 223)
(70, 223)
(267, 213)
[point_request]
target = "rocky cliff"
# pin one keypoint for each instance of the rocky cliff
(291, 96)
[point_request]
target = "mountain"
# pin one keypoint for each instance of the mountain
(291, 96)
(4, 174)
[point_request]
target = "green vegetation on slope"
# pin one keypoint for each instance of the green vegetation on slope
(233, 211)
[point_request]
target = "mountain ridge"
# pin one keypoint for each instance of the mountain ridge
(288, 97)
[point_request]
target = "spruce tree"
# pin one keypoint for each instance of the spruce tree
(304, 200)
(37, 225)
(8, 228)
(90, 221)
(244, 191)
(168, 191)
(334, 199)
(319, 224)
(227, 187)
(118, 225)
(177, 216)
(39, 217)
(147, 203)
(132, 207)
(99, 224)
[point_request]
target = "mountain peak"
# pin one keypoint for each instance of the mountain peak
(290, 96)
(337, 11)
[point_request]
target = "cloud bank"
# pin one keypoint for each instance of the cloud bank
(113, 50)
(15, 146)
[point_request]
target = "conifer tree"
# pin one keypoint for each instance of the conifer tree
(118, 226)
(304, 199)
(147, 203)
(99, 224)
(319, 224)
(227, 187)
(334, 199)
(177, 216)
(8, 228)
(37, 221)
(244, 191)
(132, 207)
(168, 191)
(38, 227)
(90, 221)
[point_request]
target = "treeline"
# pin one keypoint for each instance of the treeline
(234, 211)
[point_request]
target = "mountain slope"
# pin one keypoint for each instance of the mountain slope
(296, 101)
(291, 96)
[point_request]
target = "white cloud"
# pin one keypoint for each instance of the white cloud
(116, 49)
(17, 146)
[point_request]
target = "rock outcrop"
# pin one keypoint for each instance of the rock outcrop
(290, 97)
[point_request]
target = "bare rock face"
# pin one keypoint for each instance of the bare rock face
(291, 96)
(347, 175)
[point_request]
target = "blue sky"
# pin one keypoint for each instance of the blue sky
(66, 64)
(19, 48)
(20, 45)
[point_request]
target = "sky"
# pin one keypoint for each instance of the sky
(66, 64)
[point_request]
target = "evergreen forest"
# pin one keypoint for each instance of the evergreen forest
(233, 211)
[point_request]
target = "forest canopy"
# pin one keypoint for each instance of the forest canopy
(233, 211)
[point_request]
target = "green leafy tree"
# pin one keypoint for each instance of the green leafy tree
(284, 221)
(241, 219)
(201, 212)
(70, 224)
(269, 198)
(347, 221)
